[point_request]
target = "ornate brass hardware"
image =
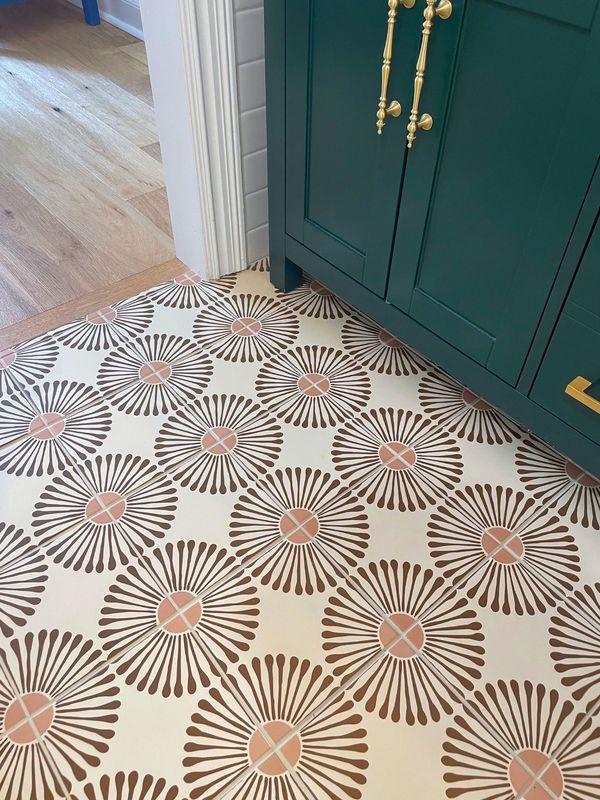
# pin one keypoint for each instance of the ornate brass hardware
(394, 109)
(442, 10)
(577, 389)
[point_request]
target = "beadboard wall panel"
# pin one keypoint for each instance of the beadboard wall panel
(250, 65)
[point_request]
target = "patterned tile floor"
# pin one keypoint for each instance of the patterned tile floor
(252, 547)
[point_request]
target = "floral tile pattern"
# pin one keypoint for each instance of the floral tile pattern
(253, 547)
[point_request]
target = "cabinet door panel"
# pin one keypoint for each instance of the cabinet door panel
(492, 192)
(342, 179)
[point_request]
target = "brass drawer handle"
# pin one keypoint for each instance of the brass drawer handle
(394, 109)
(577, 389)
(442, 10)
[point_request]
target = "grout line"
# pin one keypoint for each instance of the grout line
(536, 778)
(246, 567)
(296, 730)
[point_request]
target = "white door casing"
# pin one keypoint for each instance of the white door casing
(191, 57)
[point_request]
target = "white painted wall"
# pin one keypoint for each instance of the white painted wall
(124, 14)
(250, 65)
(174, 121)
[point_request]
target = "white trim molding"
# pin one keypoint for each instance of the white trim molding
(191, 57)
(208, 45)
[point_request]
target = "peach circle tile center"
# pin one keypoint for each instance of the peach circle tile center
(319, 289)
(313, 384)
(154, 372)
(172, 618)
(405, 624)
(299, 525)
(387, 340)
(246, 326)
(188, 279)
(7, 358)
(397, 455)
(102, 316)
(25, 720)
(521, 778)
(105, 507)
(258, 745)
(219, 440)
(46, 426)
(473, 400)
(512, 545)
(576, 474)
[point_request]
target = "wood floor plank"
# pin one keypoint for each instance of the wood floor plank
(155, 206)
(87, 207)
(109, 61)
(29, 103)
(137, 51)
(153, 150)
(61, 11)
(16, 303)
(53, 318)
(82, 203)
(84, 84)
(59, 267)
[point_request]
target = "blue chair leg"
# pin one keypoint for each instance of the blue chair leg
(90, 11)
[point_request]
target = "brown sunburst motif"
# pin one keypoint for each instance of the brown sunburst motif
(397, 459)
(313, 387)
(560, 483)
(190, 290)
(154, 375)
(109, 326)
(575, 641)
(464, 413)
(112, 507)
(219, 443)
(174, 627)
(57, 698)
(50, 426)
(22, 578)
(378, 350)
(225, 740)
(262, 265)
(26, 363)
(246, 327)
(546, 756)
(130, 786)
(527, 558)
(313, 299)
(309, 522)
(423, 635)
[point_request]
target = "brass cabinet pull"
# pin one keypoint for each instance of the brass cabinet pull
(577, 389)
(394, 109)
(443, 9)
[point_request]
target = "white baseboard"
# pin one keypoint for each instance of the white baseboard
(123, 14)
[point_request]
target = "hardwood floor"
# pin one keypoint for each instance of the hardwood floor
(83, 205)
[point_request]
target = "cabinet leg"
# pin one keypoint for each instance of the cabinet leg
(285, 275)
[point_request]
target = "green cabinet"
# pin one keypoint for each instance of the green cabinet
(493, 190)
(459, 244)
(573, 355)
(342, 181)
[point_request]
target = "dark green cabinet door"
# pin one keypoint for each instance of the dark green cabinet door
(574, 351)
(342, 179)
(492, 192)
